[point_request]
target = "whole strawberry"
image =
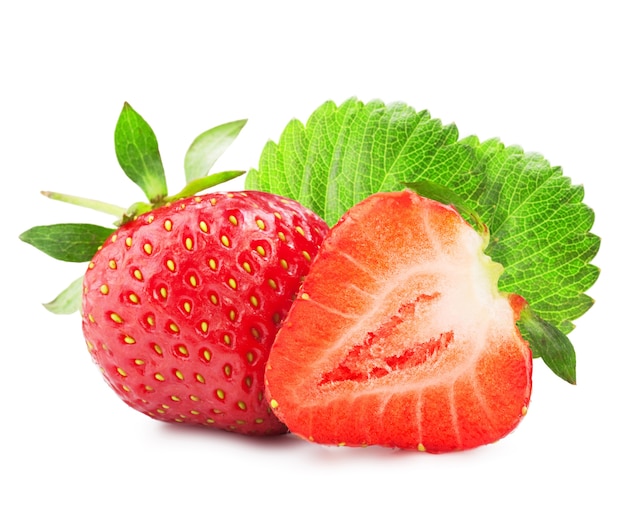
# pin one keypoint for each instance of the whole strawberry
(181, 303)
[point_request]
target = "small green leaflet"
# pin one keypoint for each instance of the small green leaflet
(539, 227)
(69, 300)
(208, 147)
(75, 243)
(138, 154)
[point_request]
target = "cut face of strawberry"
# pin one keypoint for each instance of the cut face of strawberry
(399, 336)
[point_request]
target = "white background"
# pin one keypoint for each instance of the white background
(545, 75)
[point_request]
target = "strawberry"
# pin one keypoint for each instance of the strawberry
(182, 304)
(181, 301)
(399, 336)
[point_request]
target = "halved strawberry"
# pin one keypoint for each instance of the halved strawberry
(399, 336)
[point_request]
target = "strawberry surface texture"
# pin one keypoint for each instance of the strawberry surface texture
(399, 336)
(182, 305)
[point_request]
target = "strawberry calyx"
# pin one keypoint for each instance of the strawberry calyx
(138, 154)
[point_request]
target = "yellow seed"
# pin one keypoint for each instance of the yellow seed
(150, 219)
(247, 267)
(278, 215)
(121, 372)
(159, 377)
(260, 250)
(255, 333)
(179, 375)
(194, 412)
(157, 349)
(304, 296)
(232, 315)
(112, 264)
(104, 289)
(133, 298)
(150, 320)
(284, 264)
(228, 370)
(189, 243)
(91, 265)
(165, 406)
(125, 388)
(167, 225)
(524, 410)
(129, 340)
(254, 301)
(204, 227)
(147, 248)
(212, 264)
(171, 266)
(161, 411)
(248, 381)
(274, 403)
(210, 420)
(260, 224)
(137, 274)
(183, 350)
(306, 255)
(213, 201)
(200, 378)
(242, 405)
(193, 281)
(220, 394)
(282, 237)
(250, 356)
(341, 444)
(300, 230)
(139, 362)
(204, 326)
(148, 388)
(226, 339)
(233, 220)
(163, 292)
(225, 241)
(195, 398)
(187, 307)
(421, 447)
(175, 398)
(272, 283)
(232, 283)
(214, 299)
(207, 355)
(115, 317)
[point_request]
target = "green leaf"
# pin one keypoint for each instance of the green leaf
(205, 182)
(208, 147)
(550, 343)
(75, 243)
(539, 226)
(69, 300)
(138, 154)
(347, 152)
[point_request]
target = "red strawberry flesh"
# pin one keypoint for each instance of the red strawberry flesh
(399, 336)
(181, 305)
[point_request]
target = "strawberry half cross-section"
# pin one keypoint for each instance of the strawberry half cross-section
(399, 336)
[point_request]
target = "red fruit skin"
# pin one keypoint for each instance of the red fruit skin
(182, 305)
(335, 375)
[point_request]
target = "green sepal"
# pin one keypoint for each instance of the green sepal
(208, 147)
(203, 183)
(548, 343)
(69, 300)
(138, 154)
(75, 243)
